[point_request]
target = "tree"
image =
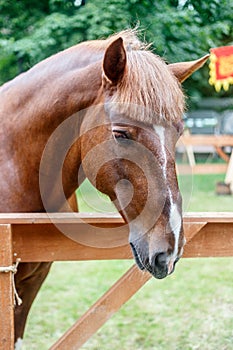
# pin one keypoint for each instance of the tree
(178, 30)
(187, 31)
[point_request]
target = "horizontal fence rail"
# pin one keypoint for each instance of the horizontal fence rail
(37, 237)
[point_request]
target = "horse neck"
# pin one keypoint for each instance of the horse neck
(35, 104)
(38, 98)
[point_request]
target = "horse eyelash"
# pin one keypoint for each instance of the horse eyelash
(121, 134)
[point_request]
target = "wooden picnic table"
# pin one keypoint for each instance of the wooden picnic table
(189, 141)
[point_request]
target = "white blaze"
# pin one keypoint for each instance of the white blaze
(18, 344)
(160, 132)
(175, 217)
(175, 224)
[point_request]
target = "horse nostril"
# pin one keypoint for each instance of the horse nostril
(158, 267)
(160, 260)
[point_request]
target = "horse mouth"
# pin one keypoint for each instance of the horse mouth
(137, 257)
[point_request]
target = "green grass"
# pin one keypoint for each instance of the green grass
(91, 200)
(190, 310)
(198, 192)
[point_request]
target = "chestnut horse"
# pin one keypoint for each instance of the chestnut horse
(127, 104)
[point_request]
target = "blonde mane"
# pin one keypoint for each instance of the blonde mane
(147, 84)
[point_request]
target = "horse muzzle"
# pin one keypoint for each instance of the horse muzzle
(160, 265)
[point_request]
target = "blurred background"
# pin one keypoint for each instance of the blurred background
(178, 30)
(193, 308)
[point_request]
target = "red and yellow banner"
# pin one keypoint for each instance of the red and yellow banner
(221, 67)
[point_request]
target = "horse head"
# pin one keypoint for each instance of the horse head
(128, 147)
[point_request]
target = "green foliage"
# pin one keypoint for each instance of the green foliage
(179, 30)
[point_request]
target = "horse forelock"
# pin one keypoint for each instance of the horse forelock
(148, 84)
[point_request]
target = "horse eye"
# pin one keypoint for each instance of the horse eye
(121, 135)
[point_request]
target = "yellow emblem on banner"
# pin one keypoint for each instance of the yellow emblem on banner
(221, 67)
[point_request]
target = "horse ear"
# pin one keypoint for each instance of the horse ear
(182, 70)
(115, 61)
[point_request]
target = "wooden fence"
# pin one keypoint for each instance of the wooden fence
(34, 237)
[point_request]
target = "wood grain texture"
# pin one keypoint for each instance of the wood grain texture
(213, 240)
(97, 218)
(47, 242)
(6, 291)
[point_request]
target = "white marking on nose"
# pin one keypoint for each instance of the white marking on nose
(174, 217)
(175, 224)
(163, 157)
(160, 132)
(18, 344)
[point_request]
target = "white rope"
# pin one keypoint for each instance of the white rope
(13, 269)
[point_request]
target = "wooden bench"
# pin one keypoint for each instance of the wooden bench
(37, 237)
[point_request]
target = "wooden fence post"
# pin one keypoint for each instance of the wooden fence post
(6, 288)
